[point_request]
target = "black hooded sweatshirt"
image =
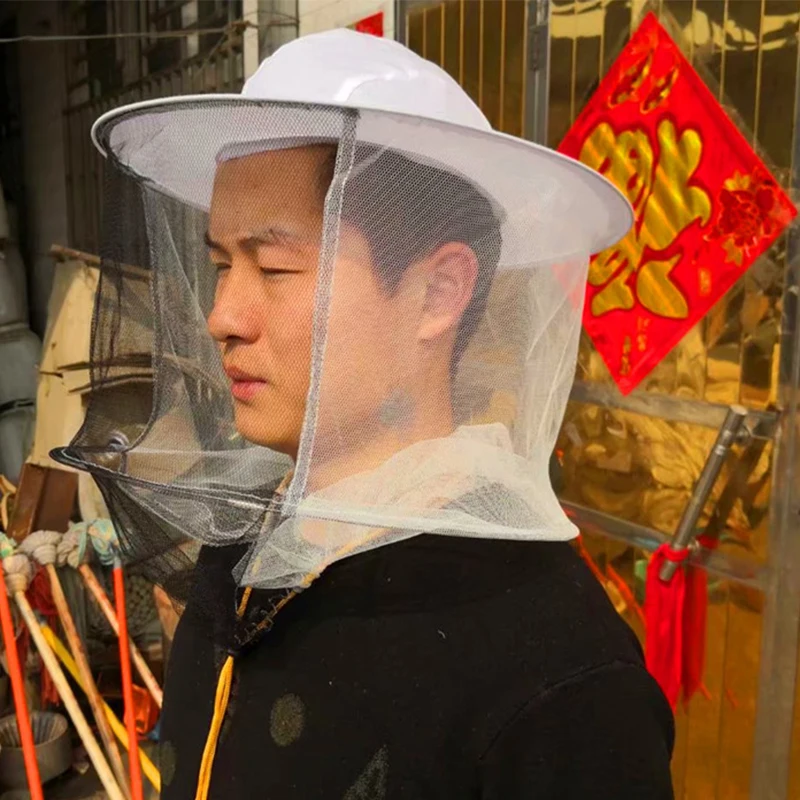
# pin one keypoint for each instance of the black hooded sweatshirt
(437, 667)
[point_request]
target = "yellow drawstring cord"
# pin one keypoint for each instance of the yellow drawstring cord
(225, 679)
(220, 706)
(221, 698)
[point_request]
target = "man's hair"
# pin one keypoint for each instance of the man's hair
(407, 210)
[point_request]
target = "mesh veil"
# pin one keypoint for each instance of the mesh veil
(392, 443)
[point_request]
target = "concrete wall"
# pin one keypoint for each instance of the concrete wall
(41, 70)
(322, 15)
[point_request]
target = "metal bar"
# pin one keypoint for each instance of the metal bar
(537, 69)
(574, 68)
(480, 57)
(772, 745)
(501, 115)
(401, 22)
(724, 49)
(687, 527)
(601, 55)
(760, 424)
(759, 72)
(525, 39)
(424, 34)
(743, 571)
(441, 36)
(461, 43)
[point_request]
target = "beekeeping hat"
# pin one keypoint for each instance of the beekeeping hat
(411, 165)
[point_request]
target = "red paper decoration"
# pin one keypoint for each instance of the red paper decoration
(706, 206)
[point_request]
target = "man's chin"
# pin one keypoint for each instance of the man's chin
(253, 428)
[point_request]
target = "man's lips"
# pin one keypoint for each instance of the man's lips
(243, 385)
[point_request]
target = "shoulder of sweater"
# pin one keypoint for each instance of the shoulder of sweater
(603, 698)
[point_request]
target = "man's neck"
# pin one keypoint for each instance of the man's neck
(429, 416)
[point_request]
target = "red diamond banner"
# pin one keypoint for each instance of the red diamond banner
(706, 206)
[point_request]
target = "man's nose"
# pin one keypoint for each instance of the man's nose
(235, 314)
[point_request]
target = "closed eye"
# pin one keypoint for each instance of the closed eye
(271, 272)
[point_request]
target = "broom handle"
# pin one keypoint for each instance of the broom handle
(18, 690)
(65, 692)
(127, 683)
(101, 597)
(90, 686)
(59, 648)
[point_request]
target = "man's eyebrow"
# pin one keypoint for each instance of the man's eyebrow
(269, 236)
(276, 237)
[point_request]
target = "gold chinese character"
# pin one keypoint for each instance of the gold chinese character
(632, 80)
(665, 204)
(660, 91)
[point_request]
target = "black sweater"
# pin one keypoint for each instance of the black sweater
(437, 668)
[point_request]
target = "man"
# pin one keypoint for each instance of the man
(395, 304)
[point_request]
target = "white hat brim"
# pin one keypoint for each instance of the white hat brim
(565, 207)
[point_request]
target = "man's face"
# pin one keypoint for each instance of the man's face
(264, 236)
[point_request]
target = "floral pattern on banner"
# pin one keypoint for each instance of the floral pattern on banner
(746, 214)
(705, 205)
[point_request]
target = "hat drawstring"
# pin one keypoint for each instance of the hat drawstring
(225, 680)
(220, 706)
(221, 698)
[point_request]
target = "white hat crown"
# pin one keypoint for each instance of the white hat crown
(345, 68)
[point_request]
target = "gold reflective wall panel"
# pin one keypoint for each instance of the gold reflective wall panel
(481, 43)
(643, 468)
(747, 52)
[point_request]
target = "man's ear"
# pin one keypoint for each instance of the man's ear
(451, 272)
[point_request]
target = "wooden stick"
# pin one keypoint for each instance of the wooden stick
(91, 260)
(68, 698)
(18, 690)
(148, 767)
(101, 597)
(127, 682)
(92, 692)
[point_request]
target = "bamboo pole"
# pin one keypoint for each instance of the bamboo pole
(92, 692)
(148, 767)
(127, 682)
(18, 690)
(93, 749)
(101, 597)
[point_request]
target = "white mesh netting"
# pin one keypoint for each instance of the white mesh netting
(322, 300)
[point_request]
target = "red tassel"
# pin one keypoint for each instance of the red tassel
(694, 617)
(694, 631)
(664, 612)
